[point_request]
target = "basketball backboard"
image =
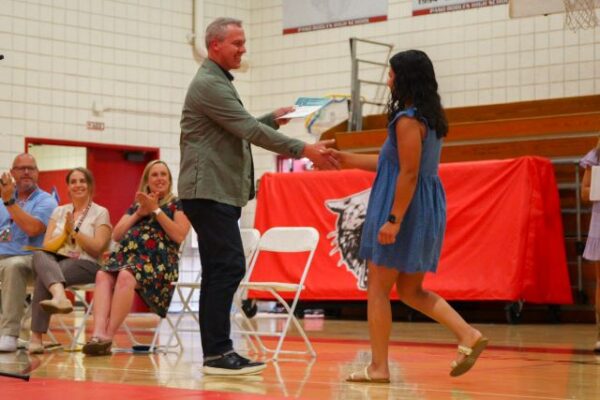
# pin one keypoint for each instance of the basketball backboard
(530, 8)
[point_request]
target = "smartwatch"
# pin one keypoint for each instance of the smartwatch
(9, 202)
(392, 219)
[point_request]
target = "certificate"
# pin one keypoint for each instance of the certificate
(305, 106)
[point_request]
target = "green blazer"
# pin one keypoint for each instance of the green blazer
(216, 132)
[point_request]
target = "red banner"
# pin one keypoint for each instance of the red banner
(504, 237)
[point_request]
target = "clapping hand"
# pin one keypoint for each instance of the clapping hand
(7, 186)
(69, 222)
(148, 202)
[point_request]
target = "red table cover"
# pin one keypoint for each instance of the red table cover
(504, 237)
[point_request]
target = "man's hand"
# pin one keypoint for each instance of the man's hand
(282, 111)
(321, 157)
(7, 186)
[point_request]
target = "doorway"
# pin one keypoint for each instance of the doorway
(117, 169)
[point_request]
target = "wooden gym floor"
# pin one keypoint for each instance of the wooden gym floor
(522, 362)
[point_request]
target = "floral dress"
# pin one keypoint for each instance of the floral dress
(152, 256)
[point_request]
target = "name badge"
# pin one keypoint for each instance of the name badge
(74, 254)
(6, 235)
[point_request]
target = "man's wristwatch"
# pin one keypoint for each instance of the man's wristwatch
(9, 202)
(392, 219)
(157, 211)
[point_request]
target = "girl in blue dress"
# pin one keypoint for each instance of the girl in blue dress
(404, 227)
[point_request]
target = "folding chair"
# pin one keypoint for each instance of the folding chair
(23, 340)
(153, 346)
(74, 333)
(250, 238)
(185, 291)
(281, 240)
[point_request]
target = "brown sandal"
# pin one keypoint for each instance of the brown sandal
(97, 347)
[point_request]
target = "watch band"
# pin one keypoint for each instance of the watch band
(9, 202)
(157, 211)
(392, 219)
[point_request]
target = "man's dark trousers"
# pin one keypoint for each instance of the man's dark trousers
(223, 268)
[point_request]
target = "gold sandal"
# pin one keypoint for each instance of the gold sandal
(471, 354)
(363, 377)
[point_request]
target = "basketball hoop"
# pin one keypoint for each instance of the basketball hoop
(580, 14)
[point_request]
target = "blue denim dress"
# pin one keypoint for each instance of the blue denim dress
(419, 242)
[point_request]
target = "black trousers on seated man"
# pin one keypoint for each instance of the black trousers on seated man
(223, 268)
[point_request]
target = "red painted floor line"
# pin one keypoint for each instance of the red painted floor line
(57, 389)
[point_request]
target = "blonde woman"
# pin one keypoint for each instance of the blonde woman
(146, 260)
(77, 233)
(592, 245)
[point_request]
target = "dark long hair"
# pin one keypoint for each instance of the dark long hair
(415, 84)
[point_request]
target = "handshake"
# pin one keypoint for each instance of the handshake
(323, 155)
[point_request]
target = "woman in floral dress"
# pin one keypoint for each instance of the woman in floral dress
(149, 236)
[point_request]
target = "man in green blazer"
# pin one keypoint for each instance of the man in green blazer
(216, 180)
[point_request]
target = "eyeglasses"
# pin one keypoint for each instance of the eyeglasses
(25, 169)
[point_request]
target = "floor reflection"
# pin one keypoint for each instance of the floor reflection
(552, 363)
(17, 365)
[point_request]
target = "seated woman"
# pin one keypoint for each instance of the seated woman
(77, 235)
(146, 260)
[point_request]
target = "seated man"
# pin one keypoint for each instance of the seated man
(24, 214)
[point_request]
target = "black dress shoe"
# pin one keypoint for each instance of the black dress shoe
(232, 364)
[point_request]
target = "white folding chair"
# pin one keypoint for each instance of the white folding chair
(153, 346)
(185, 289)
(74, 332)
(250, 240)
(23, 340)
(281, 240)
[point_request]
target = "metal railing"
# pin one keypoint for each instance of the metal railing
(356, 99)
(578, 211)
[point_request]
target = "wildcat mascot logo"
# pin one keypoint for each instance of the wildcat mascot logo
(351, 212)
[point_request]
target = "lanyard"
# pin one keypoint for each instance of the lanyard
(82, 217)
